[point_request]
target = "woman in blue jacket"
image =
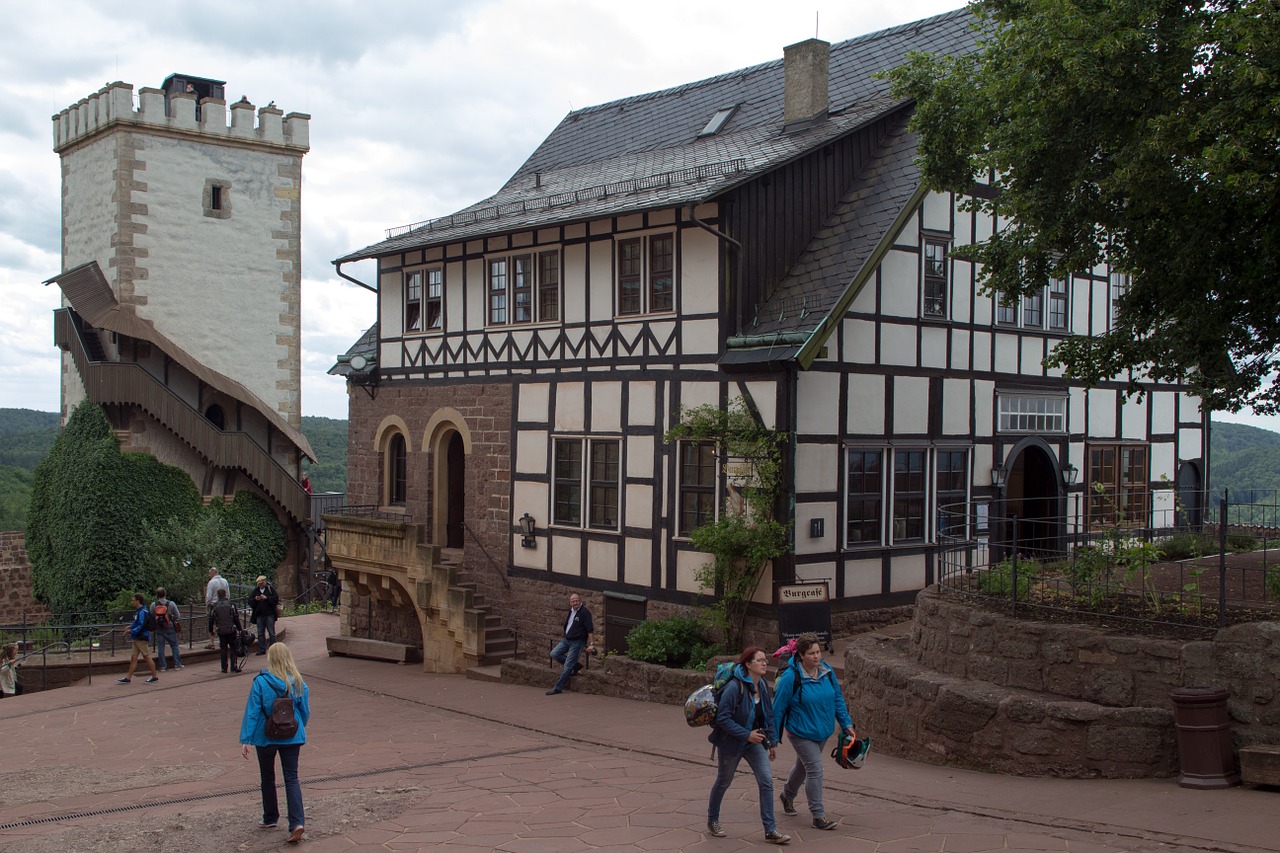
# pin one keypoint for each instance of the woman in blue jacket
(280, 678)
(808, 705)
(744, 729)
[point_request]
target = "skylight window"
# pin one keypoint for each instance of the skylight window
(719, 120)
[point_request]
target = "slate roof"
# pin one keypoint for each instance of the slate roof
(366, 346)
(643, 152)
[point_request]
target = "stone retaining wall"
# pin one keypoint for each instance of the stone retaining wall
(616, 676)
(981, 689)
(16, 600)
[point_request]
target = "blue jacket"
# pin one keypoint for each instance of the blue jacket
(812, 711)
(735, 714)
(138, 629)
(267, 689)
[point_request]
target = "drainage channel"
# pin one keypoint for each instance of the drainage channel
(173, 801)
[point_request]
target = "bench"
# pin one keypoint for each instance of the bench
(1260, 764)
(358, 647)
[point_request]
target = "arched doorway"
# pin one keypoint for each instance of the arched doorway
(214, 415)
(1190, 510)
(455, 487)
(1033, 493)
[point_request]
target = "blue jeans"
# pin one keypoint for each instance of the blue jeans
(265, 624)
(292, 788)
(567, 652)
(807, 771)
(169, 638)
(758, 757)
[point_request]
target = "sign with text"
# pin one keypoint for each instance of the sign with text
(804, 608)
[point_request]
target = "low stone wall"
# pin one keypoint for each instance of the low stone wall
(981, 689)
(16, 600)
(617, 676)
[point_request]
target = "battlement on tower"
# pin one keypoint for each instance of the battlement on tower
(113, 104)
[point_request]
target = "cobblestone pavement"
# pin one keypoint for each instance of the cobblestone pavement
(400, 760)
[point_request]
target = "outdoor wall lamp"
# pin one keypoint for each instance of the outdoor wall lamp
(1070, 474)
(998, 476)
(526, 530)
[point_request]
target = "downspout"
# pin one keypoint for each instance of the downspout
(337, 267)
(736, 272)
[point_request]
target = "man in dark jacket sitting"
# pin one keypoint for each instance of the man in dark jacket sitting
(576, 636)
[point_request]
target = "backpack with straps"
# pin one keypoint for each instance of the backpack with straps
(702, 705)
(161, 614)
(281, 722)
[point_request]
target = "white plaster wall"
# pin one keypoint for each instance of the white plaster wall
(817, 407)
(694, 394)
(1163, 463)
(910, 404)
(1032, 353)
(959, 349)
(817, 467)
(218, 286)
(573, 278)
(984, 395)
(642, 398)
(533, 402)
(638, 511)
(900, 296)
(1162, 411)
(1102, 413)
(1006, 353)
(687, 565)
(602, 561)
(531, 451)
(898, 345)
(638, 561)
(570, 414)
(699, 337)
(956, 400)
(699, 257)
(765, 397)
(1134, 423)
(817, 572)
(859, 342)
(391, 304)
(862, 577)
(566, 555)
(907, 573)
(806, 544)
(606, 406)
(639, 456)
(601, 271)
(937, 211)
(535, 499)
(933, 347)
(866, 404)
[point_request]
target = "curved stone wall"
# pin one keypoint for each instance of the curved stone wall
(983, 690)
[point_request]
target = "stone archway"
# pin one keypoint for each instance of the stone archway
(448, 441)
(1035, 495)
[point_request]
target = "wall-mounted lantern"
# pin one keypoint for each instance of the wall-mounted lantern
(1070, 474)
(998, 476)
(526, 530)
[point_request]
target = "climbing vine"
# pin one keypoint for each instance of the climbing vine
(746, 536)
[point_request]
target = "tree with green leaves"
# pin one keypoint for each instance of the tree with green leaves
(1136, 133)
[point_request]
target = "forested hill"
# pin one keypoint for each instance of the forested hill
(1243, 457)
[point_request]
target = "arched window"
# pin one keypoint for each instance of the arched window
(397, 470)
(214, 415)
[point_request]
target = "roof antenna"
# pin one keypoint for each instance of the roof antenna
(815, 23)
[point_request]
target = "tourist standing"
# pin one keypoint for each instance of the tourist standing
(262, 609)
(280, 679)
(9, 683)
(224, 622)
(744, 728)
(808, 704)
(168, 620)
(216, 582)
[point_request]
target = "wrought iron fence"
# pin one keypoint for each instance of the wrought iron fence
(1145, 560)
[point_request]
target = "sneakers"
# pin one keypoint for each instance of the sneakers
(296, 835)
(715, 830)
(122, 681)
(152, 680)
(775, 837)
(788, 805)
(180, 666)
(262, 824)
(554, 691)
(823, 823)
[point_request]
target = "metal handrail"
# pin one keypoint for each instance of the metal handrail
(501, 575)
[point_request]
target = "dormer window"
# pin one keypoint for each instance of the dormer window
(718, 121)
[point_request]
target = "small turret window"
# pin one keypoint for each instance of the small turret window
(217, 198)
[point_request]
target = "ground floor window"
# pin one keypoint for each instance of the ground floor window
(697, 485)
(586, 472)
(397, 470)
(905, 508)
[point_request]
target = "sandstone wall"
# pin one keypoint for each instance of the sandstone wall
(16, 599)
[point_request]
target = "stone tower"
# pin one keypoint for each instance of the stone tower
(181, 256)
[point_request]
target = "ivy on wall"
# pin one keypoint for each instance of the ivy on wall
(102, 521)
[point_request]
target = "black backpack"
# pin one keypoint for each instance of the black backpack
(281, 722)
(149, 622)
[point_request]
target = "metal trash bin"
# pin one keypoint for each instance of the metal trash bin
(1204, 738)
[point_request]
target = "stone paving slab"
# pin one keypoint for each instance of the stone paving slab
(402, 760)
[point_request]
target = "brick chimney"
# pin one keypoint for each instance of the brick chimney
(806, 69)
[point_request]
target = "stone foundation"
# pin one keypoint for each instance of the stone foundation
(17, 604)
(980, 689)
(616, 676)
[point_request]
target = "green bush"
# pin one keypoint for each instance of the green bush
(998, 580)
(677, 642)
(1241, 543)
(1184, 546)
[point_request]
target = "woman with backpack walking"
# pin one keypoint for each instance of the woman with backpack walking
(266, 725)
(744, 728)
(808, 704)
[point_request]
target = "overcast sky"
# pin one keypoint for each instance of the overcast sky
(419, 107)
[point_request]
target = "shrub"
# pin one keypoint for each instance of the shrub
(1184, 546)
(998, 580)
(677, 641)
(1241, 543)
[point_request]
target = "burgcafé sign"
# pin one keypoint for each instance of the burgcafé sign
(804, 608)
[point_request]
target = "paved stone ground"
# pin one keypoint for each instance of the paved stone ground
(399, 760)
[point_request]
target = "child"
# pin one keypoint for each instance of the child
(9, 685)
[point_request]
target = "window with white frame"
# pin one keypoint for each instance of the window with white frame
(586, 482)
(424, 300)
(697, 485)
(413, 301)
(896, 510)
(1119, 282)
(1032, 413)
(937, 268)
(952, 491)
(513, 281)
(646, 274)
(1058, 316)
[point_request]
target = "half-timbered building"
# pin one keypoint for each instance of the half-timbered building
(761, 234)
